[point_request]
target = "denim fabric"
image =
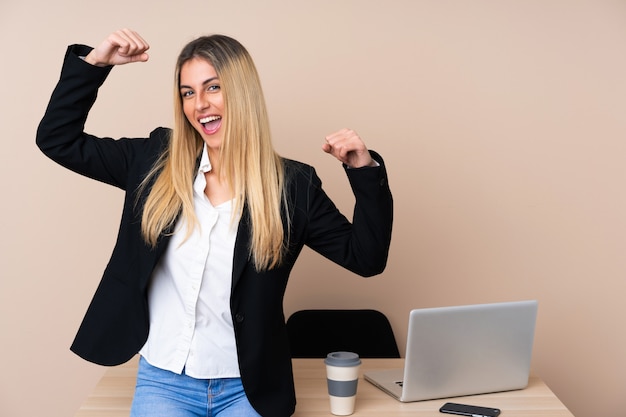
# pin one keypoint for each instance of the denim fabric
(164, 393)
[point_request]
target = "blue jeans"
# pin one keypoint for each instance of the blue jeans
(164, 393)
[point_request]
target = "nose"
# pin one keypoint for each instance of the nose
(202, 101)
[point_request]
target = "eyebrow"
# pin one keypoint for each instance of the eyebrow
(204, 83)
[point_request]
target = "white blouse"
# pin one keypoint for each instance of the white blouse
(191, 326)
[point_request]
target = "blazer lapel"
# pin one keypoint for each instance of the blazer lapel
(241, 256)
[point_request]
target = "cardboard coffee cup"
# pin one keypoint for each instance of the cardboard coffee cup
(342, 371)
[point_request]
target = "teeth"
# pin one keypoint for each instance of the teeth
(209, 119)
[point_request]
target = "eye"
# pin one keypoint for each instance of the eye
(186, 93)
(213, 88)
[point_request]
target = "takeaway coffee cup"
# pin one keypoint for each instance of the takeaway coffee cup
(342, 372)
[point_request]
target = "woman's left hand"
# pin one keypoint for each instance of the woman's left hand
(348, 147)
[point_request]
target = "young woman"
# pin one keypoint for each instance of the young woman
(212, 224)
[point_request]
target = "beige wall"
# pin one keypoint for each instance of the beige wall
(503, 124)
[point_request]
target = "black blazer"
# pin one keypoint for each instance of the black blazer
(116, 324)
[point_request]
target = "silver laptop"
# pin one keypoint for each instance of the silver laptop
(463, 350)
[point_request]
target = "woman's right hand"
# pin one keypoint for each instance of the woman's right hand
(120, 47)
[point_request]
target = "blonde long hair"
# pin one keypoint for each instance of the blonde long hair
(250, 165)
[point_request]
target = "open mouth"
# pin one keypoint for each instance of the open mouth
(211, 124)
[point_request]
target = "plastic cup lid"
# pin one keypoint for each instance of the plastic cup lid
(342, 359)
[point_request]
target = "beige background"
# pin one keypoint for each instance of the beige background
(502, 123)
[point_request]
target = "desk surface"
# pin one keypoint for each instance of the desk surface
(113, 395)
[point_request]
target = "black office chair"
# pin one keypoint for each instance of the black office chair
(315, 333)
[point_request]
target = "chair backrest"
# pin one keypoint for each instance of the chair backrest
(315, 333)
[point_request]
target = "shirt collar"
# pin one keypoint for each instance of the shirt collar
(205, 163)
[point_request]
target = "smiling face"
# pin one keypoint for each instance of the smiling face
(202, 100)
